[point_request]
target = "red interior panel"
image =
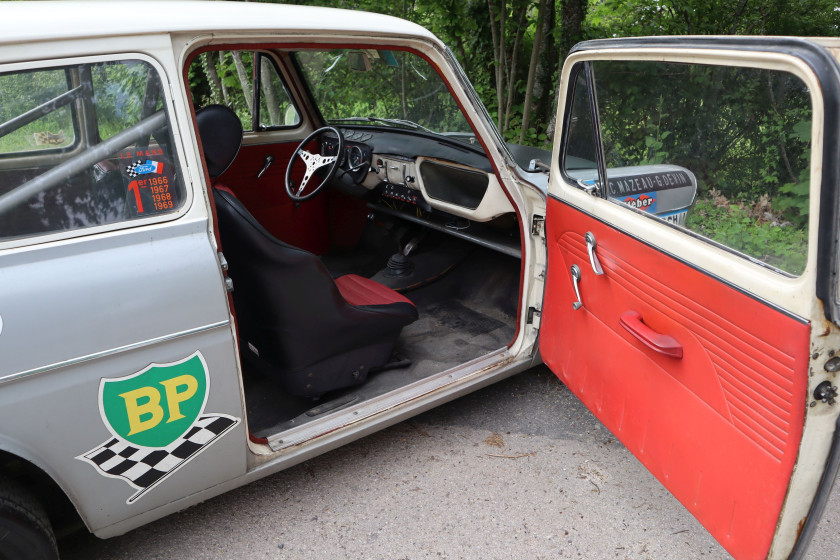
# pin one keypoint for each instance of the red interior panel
(719, 427)
(303, 225)
(348, 216)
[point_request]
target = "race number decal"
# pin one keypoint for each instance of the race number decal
(157, 420)
(151, 187)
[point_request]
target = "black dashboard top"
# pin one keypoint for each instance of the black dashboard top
(411, 144)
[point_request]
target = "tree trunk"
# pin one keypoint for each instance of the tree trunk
(544, 82)
(498, 33)
(266, 73)
(571, 33)
(545, 5)
(213, 77)
(244, 79)
(574, 11)
(514, 59)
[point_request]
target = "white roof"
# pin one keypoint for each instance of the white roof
(33, 21)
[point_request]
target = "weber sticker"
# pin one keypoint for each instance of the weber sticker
(645, 202)
(157, 420)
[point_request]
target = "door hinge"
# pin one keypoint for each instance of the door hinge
(533, 317)
(223, 264)
(537, 225)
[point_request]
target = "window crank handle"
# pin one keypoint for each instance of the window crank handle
(593, 258)
(269, 159)
(575, 279)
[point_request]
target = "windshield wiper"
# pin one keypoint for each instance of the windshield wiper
(400, 122)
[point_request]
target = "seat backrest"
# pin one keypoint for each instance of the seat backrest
(220, 131)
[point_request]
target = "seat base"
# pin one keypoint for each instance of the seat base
(336, 372)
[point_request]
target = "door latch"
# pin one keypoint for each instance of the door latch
(223, 264)
(537, 224)
(593, 258)
(575, 279)
(534, 315)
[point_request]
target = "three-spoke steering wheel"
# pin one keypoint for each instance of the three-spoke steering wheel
(313, 162)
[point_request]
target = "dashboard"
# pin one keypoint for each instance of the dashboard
(429, 172)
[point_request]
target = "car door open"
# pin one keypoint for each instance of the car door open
(684, 292)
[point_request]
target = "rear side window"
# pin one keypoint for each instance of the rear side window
(82, 146)
(25, 92)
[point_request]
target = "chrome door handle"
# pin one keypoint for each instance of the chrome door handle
(269, 159)
(593, 258)
(575, 279)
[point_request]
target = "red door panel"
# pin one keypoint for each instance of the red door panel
(303, 225)
(719, 427)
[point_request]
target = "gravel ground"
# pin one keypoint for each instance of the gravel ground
(518, 470)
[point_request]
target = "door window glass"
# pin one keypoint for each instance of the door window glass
(722, 151)
(106, 153)
(228, 78)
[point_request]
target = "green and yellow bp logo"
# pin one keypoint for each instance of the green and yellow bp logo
(158, 422)
(156, 406)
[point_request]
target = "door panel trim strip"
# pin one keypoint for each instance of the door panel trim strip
(112, 351)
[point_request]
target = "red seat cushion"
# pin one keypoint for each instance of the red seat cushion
(357, 290)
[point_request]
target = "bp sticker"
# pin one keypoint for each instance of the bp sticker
(158, 422)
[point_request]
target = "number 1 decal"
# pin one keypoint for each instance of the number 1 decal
(133, 186)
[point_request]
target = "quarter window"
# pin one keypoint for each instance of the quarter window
(722, 151)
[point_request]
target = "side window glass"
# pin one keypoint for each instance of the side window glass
(722, 151)
(116, 161)
(24, 125)
(119, 94)
(228, 78)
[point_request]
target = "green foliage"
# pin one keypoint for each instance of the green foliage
(781, 245)
(398, 85)
(25, 91)
(118, 89)
(636, 18)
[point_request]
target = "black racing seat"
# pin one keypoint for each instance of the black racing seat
(308, 331)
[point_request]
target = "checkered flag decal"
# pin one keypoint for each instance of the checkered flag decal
(143, 467)
(132, 169)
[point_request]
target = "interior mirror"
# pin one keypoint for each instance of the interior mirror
(359, 61)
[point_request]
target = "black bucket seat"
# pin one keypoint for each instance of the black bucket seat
(309, 332)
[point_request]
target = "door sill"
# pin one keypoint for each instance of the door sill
(364, 410)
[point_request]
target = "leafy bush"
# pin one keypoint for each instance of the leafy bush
(751, 229)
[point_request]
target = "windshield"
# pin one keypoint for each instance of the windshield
(390, 88)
